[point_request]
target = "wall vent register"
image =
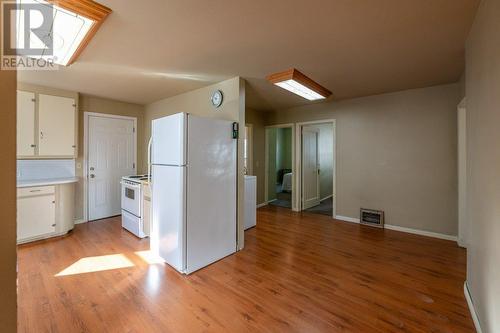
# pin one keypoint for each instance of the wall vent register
(374, 218)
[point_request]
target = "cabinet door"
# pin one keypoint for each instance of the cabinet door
(57, 116)
(36, 216)
(25, 123)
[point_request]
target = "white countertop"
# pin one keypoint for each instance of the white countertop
(46, 182)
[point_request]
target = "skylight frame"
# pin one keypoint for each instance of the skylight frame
(92, 15)
(299, 84)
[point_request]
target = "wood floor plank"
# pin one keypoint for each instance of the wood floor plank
(297, 273)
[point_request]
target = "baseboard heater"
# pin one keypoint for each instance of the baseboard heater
(371, 217)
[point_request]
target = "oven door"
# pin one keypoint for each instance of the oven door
(131, 198)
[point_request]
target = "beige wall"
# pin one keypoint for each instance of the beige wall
(198, 102)
(107, 106)
(395, 152)
(8, 257)
(257, 119)
(483, 164)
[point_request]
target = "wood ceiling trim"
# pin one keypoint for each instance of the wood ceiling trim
(89, 9)
(296, 75)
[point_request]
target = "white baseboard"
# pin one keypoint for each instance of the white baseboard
(403, 229)
(347, 219)
(80, 221)
(421, 232)
(472, 310)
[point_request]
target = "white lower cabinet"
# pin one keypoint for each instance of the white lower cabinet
(44, 211)
(36, 212)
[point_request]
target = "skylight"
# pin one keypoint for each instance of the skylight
(74, 24)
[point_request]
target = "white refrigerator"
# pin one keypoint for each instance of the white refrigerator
(194, 180)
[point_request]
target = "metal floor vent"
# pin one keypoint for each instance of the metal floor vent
(374, 218)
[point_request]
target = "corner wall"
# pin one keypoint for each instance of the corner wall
(8, 254)
(396, 152)
(483, 164)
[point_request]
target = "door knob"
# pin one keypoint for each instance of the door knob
(92, 176)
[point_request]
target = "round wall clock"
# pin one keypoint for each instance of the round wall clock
(217, 98)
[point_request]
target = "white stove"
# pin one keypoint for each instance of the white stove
(132, 204)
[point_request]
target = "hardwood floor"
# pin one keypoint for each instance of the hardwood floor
(297, 273)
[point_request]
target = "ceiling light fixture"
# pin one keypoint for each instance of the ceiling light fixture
(299, 84)
(74, 24)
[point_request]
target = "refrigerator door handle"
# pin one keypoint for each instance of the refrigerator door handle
(150, 144)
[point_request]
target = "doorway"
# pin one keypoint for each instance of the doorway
(279, 165)
(316, 162)
(110, 152)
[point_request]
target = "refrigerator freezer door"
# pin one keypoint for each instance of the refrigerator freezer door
(169, 137)
(168, 218)
(211, 192)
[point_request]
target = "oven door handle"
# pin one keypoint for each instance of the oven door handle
(138, 186)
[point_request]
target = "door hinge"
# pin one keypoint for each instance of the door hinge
(74, 105)
(133, 166)
(133, 129)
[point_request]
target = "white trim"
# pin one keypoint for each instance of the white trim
(328, 197)
(472, 309)
(403, 229)
(420, 232)
(346, 219)
(86, 116)
(298, 162)
(80, 221)
(462, 173)
(262, 205)
(250, 149)
(266, 162)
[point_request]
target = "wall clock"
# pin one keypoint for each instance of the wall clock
(217, 98)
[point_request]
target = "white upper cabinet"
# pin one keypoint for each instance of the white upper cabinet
(25, 124)
(56, 126)
(46, 126)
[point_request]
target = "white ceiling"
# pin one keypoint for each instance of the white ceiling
(152, 49)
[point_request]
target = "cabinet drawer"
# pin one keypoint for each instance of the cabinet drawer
(32, 191)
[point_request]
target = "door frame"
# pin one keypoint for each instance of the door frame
(298, 162)
(249, 149)
(266, 180)
(462, 172)
(86, 117)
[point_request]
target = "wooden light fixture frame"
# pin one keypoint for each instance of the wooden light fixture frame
(86, 8)
(296, 75)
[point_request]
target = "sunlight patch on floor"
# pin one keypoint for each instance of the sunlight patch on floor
(149, 257)
(97, 264)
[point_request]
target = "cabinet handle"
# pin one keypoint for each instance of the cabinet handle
(54, 202)
(54, 225)
(33, 146)
(41, 135)
(74, 146)
(33, 191)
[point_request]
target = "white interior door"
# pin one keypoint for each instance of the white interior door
(310, 167)
(111, 155)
